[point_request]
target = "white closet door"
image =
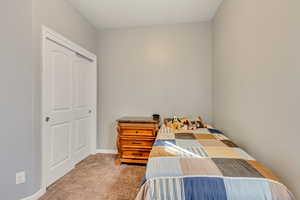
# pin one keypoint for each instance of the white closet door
(82, 105)
(58, 110)
(68, 112)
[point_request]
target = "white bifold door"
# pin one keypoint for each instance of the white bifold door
(69, 103)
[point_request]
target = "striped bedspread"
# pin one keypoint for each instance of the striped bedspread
(205, 165)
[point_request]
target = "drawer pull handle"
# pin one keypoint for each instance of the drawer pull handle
(137, 154)
(137, 143)
(136, 132)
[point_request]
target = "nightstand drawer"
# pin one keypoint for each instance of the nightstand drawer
(137, 132)
(132, 154)
(136, 136)
(136, 143)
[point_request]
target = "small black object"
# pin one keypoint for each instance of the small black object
(47, 119)
(156, 117)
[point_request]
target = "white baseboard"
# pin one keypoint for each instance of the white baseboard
(37, 195)
(107, 151)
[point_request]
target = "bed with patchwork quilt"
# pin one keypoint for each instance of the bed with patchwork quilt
(204, 164)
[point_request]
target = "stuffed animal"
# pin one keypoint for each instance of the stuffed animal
(184, 123)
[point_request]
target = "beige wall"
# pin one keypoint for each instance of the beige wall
(156, 69)
(64, 19)
(256, 81)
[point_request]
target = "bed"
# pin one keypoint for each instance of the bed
(204, 164)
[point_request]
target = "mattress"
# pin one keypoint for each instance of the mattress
(204, 164)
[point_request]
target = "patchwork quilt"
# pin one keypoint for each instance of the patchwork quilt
(204, 164)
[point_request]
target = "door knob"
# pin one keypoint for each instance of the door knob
(47, 119)
(90, 111)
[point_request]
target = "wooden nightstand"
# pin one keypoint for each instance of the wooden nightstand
(136, 136)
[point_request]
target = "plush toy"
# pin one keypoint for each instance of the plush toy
(184, 123)
(199, 123)
(176, 125)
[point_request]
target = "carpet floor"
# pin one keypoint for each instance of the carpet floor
(98, 178)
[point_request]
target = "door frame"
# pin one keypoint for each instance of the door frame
(49, 34)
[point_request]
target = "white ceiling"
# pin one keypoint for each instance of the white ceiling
(128, 13)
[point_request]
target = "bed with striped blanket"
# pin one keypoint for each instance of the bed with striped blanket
(204, 164)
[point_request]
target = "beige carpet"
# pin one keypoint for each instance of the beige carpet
(98, 178)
